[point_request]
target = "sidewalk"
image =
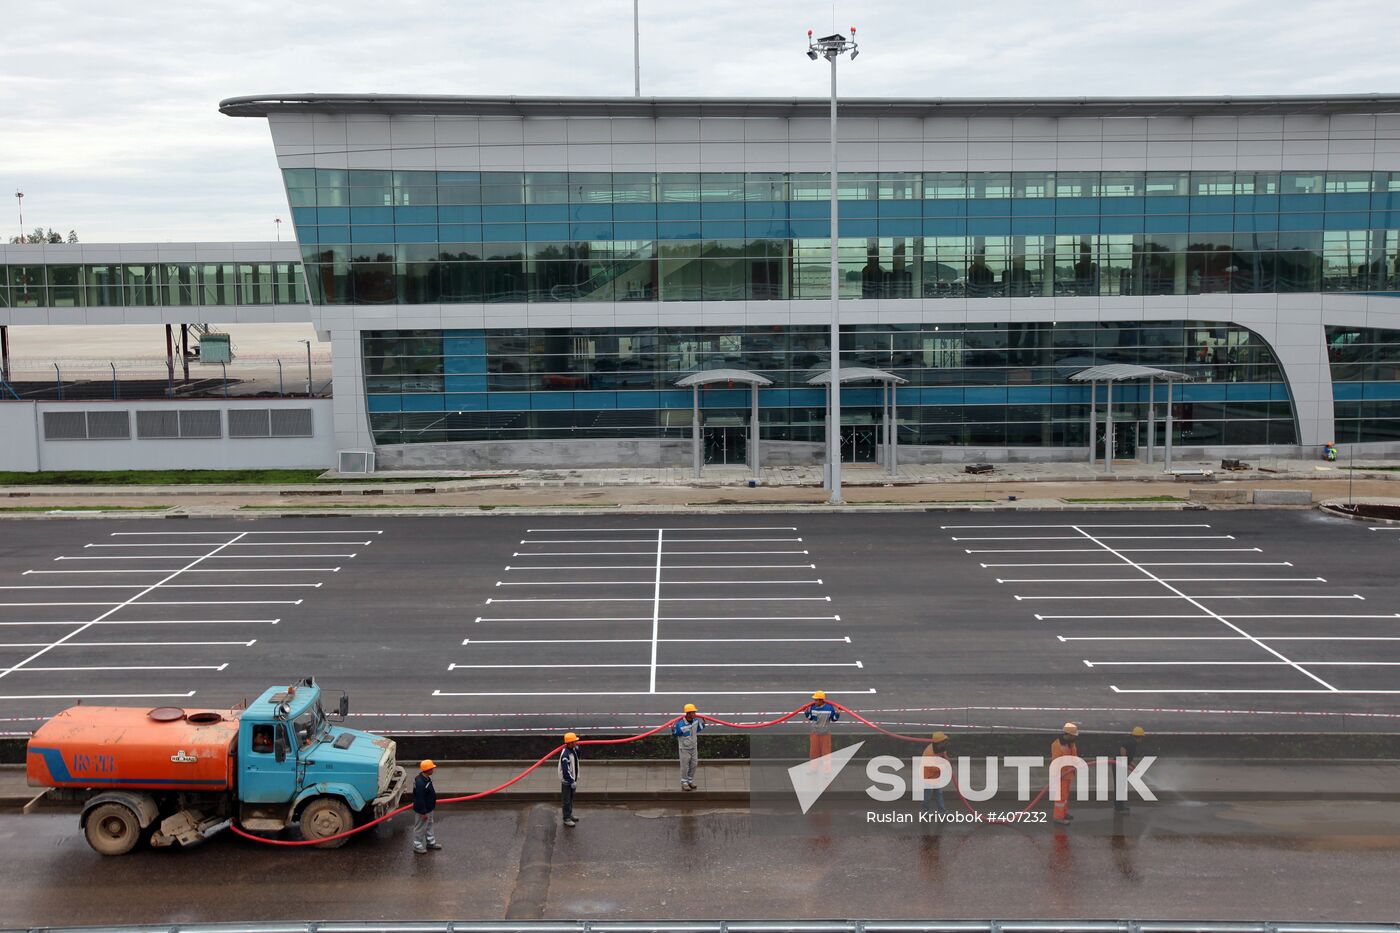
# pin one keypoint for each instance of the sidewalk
(728, 780)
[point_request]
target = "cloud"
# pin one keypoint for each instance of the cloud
(111, 125)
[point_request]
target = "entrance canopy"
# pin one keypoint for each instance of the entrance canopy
(1126, 372)
(711, 376)
(857, 374)
(889, 444)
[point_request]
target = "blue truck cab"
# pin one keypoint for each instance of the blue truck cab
(297, 764)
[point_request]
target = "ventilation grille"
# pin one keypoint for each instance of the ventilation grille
(356, 461)
(192, 423)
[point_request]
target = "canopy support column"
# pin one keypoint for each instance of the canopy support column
(1151, 417)
(894, 429)
(1093, 422)
(1108, 430)
(695, 454)
(1167, 448)
(753, 431)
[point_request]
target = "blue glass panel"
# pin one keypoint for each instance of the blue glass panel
(1256, 203)
(1125, 224)
(547, 233)
(722, 210)
(592, 400)
(464, 343)
(807, 398)
(984, 395)
(768, 229)
(810, 228)
(678, 231)
(945, 207)
(900, 226)
(502, 213)
(371, 215)
(371, 234)
(1079, 225)
(556, 213)
(1166, 223)
(590, 213)
(1300, 221)
(904, 207)
(459, 233)
(942, 396)
(593, 230)
(1076, 206)
(678, 211)
(466, 383)
(988, 226)
(772, 398)
(1039, 226)
(989, 207)
(761, 210)
(384, 402)
(418, 214)
(308, 235)
(951, 226)
(333, 215)
(1211, 223)
(502, 233)
(1347, 391)
(1387, 219)
(1256, 223)
(476, 401)
(551, 401)
(1032, 207)
(1171, 204)
(1248, 392)
(423, 402)
(1386, 202)
(1300, 202)
(861, 397)
(636, 399)
(1347, 202)
(1278, 391)
(459, 214)
(1334, 220)
(509, 401)
(1202, 392)
(677, 398)
(853, 208)
(416, 234)
(1213, 204)
(724, 398)
(636, 231)
(1029, 395)
(306, 216)
(1123, 205)
(634, 212)
(854, 227)
(1381, 390)
(334, 235)
(809, 209)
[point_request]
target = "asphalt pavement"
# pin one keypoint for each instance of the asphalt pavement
(1240, 621)
(706, 862)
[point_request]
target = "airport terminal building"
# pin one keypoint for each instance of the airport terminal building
(522, 281)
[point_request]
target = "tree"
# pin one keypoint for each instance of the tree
(40, 235)
(72, 236)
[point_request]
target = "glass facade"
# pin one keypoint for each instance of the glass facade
(976, 384)
(411, 237)
(151, 285)
(1365, 364)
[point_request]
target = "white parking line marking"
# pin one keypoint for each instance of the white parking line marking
(1175, 580)
(1081, 525)
(648, 540)
(1104, 537)
(216, 557)
(535, 531)
(326, 531)
(657, 582)
(554, 694)
(671, 567)
(245, 544)
(161, 622)
(136, 644)
(196, 570)
(169, 586)
(635, 641)
(584, 666)
(1188, 663)
(1125, 550)
(729, 553)
(656, 608)
(647, 599)
(1195, 596)
(169, 667)
(1333, 692)
(99, 696)
(669, 619)
(1229, 615)
(1227, 638)
(1185, 563)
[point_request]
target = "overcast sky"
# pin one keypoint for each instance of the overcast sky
(108, 117)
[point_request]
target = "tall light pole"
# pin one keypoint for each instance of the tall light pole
(831, 48)
(308, 366)
(19, 201)
(636, 50)
(277, 221)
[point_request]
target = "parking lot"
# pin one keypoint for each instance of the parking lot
(1245, 620)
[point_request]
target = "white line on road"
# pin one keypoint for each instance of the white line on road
(585, 666)
(1175, 580)
(170, 586)
(635, 641)
(671, 567)
(669, 619)
(647, 540)
(166, 667)
(136, 644)
(644, 599)
(1125, 550)
(217, 557)
(1229, 615)
(1189, 663)
(245, 544)
(1104, 537)
(536, 531)
(1185, 563)
(729, 553)
(160, 622)
(869, 691)
(656, 609)
(325, 531)
(1227, 637)
(1333, 692)
(199, 570)
(1031, 526)
(100, 696)
(1195, 597)
(639, 582)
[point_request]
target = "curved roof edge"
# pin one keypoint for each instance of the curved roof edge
(263, 105)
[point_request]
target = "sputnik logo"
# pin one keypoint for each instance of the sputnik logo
(811, 778)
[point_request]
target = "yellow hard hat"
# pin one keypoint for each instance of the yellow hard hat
(691, 708)
(1071, 729)
(426, 764)
(570, 737)
(819, 695)
(940, 736)
(1139, 731)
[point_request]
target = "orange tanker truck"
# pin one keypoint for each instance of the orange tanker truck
(182, 775)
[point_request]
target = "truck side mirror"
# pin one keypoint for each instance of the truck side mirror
(344, 705)
(279, 746)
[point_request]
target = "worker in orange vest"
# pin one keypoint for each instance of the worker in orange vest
(933, 767)
(1066, 745)
(820, 714)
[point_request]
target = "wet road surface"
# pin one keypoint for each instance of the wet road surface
(705, 862)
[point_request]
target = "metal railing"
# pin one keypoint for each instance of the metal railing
(156, 377)
(747, 926)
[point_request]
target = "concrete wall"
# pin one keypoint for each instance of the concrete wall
(23, 446)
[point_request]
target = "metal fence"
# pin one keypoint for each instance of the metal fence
(747, 926)
(86, 379)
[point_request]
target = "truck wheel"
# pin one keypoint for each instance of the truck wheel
(326, 816)
(112, 829)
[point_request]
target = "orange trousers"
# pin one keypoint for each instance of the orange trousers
(1066, 787)
(818, 744)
